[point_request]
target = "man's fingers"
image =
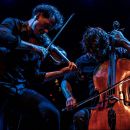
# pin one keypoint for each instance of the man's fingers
(72, 66)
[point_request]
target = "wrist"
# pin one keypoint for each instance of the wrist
(70, 97)
(68, 94)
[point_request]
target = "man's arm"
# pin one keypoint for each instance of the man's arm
(67, 91)
(120, 40)
(26, 45)
(51, 75)
(10, 40)
(126, 45)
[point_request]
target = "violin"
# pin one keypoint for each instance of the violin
(57, 54)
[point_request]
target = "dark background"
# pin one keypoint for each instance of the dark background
(100, 13)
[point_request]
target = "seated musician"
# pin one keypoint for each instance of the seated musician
(21, 58)
(79, 86)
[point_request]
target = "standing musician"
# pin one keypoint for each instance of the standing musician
(21, 55)
(77, 86)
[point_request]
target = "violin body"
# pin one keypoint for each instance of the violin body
(113, 109)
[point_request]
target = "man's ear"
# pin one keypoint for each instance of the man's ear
(36, 16)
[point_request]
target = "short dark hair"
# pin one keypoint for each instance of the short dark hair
(94, 32)
(49, 11)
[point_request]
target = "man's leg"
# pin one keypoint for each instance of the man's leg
(49, 114)
(81, 119)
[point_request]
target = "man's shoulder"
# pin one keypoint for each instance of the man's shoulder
(11, 20)
(84, 58)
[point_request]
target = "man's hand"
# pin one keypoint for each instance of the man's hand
(70, 103)
(43, 51)
(119, 38)
(117, 34)
(71, 67)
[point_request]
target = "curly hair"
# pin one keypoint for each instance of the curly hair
(91, 33)
(49, 11)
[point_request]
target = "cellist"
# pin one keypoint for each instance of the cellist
(78, 86)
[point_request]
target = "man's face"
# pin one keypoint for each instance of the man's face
(93, 44)
(43, 25)
(96, 48)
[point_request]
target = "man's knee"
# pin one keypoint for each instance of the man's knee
(50, 115)
(82, 115)
(48, 110)
(81, 119)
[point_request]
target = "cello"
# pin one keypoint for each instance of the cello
(113, 109)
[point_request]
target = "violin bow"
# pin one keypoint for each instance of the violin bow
(91, 98)
(59, 32)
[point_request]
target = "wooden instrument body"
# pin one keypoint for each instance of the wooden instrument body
(117, 99)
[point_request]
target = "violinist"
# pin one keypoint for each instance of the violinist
(21, 55)
(77, 86)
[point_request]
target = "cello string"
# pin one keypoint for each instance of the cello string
(115, 85)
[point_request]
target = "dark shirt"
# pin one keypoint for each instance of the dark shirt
(18, 65)
(82, 83)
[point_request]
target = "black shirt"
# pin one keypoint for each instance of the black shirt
(17, 65)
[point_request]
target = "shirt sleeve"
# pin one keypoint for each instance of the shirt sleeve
(8, 36)
(71, 77)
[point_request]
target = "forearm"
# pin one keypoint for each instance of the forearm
(27, 45)
(66, 89)
(53, 75)
(61, 72)
(30, 46)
